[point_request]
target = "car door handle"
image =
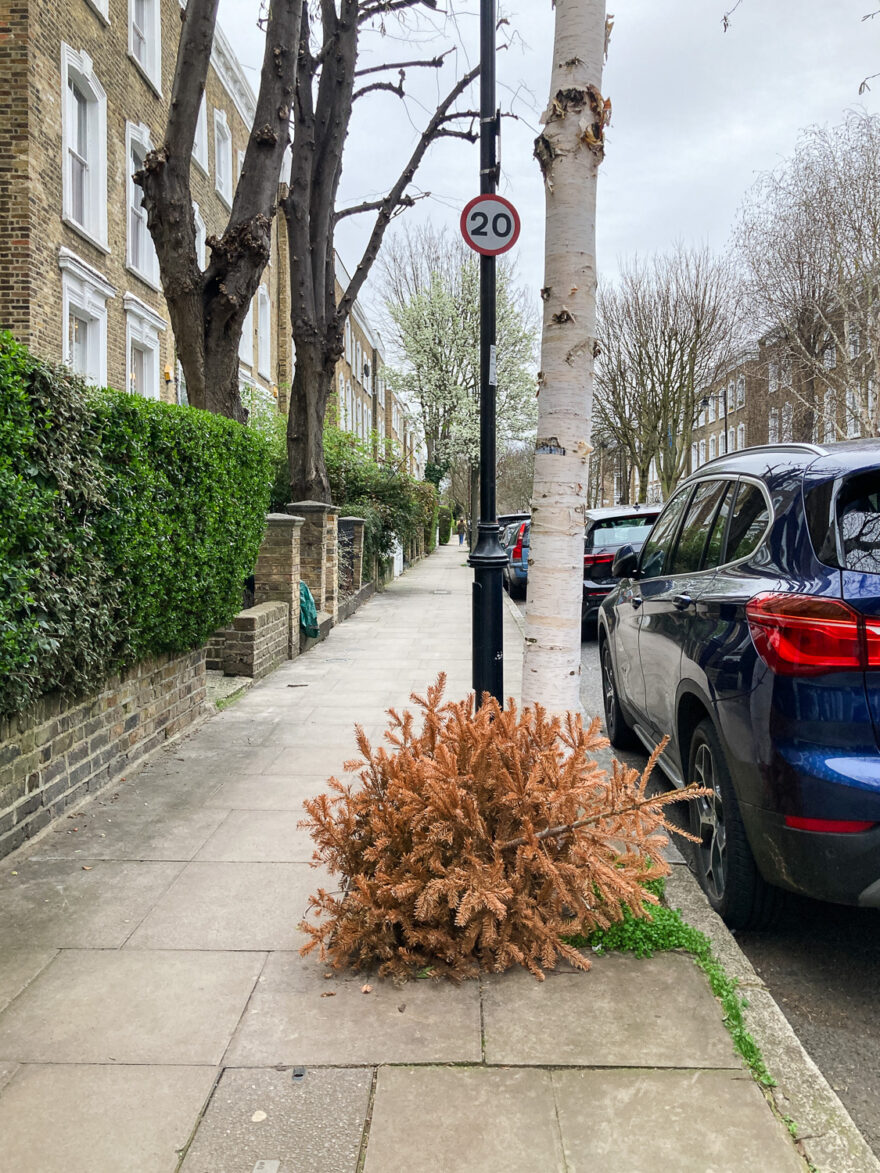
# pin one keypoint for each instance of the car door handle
(682, 602)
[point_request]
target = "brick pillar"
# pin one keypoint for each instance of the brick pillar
(318, 556)
(277, 573)
(331, 562)
(357, 551)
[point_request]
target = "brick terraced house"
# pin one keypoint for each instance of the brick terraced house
(84, 93)
(365, 404)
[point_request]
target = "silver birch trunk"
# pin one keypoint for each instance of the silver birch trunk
(569, 151)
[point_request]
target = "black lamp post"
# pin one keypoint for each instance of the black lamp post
(488, 558)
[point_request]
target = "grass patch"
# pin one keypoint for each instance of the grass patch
(226, 702)
(662, 930)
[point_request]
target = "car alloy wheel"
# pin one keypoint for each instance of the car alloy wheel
(620, 733)
(709, 823)
(609, 697)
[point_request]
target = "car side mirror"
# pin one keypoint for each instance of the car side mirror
(625, 562)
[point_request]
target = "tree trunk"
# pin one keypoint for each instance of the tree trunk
(569, 151)
(312, 386)
(644, 474)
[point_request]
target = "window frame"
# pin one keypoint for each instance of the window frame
(222, 136)
(138, 135)
(686, 491)
(201, 237)
(151, 68)
(738, 482)
(725, 482)
(87, 290)
(740, 437)
(78, 68)
(200, 141)
(101, 8)
(773, 426)
(246, 342)
(142, 329)
(264, 336)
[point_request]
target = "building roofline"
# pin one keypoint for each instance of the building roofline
(231, 75)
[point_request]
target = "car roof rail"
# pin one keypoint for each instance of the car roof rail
(794, 446)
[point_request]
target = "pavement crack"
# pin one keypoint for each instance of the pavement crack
(368, 1120)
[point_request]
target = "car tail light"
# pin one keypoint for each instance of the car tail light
(829, 826)
(804, 635)
(598, 560)
(517, 545)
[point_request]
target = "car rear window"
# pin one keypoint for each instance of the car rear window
(858, 512)
(618, 531)
(846, 531)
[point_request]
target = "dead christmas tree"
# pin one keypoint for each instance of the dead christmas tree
(478, 841)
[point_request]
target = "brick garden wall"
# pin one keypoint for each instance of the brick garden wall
(57, 752)
(256, 642)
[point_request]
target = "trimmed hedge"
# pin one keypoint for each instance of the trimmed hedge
(445, 523)
(394, 505)
(127, 527)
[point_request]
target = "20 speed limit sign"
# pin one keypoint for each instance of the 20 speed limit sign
(490, 225)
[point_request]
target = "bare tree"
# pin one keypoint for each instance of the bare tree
(666, 331)
(808, 235)
(569, 151)
(208, 309)
(328, 84)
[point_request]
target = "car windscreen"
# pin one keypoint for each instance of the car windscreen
(845, 526)
(614, 532)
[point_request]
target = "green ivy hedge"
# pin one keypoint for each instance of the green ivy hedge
(445, 523)
(127, 527)
(394, 505)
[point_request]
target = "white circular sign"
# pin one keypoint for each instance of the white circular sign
(490, 224)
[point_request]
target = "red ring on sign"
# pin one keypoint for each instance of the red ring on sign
(517, 224)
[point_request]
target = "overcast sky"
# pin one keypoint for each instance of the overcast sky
(697, 113)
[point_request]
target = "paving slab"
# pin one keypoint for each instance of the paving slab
(18, 967)
(327, 756)
(251, 906)
(686, 1121)
(243, 731)
(163, 830)
(313, 1125)
(53, 904)
(115, 1006)
(296, 1015)
(464, 1120)
(100, 1119)
(214, 766)
(7, 1070)
(267, 792)
(624, 1012)
(260, 836)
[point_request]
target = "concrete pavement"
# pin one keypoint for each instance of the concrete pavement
(155, 1013)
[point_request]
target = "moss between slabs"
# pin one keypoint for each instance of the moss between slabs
(662, 930)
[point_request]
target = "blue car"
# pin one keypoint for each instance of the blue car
(748, 630)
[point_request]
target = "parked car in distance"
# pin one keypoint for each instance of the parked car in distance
(748, 630)
(515, 540)
(605, 532)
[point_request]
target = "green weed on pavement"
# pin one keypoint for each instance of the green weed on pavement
(662, 929)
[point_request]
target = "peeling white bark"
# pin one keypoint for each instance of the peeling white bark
(570, 151)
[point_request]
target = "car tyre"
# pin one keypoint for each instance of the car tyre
(620, 733)
(723, 861)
